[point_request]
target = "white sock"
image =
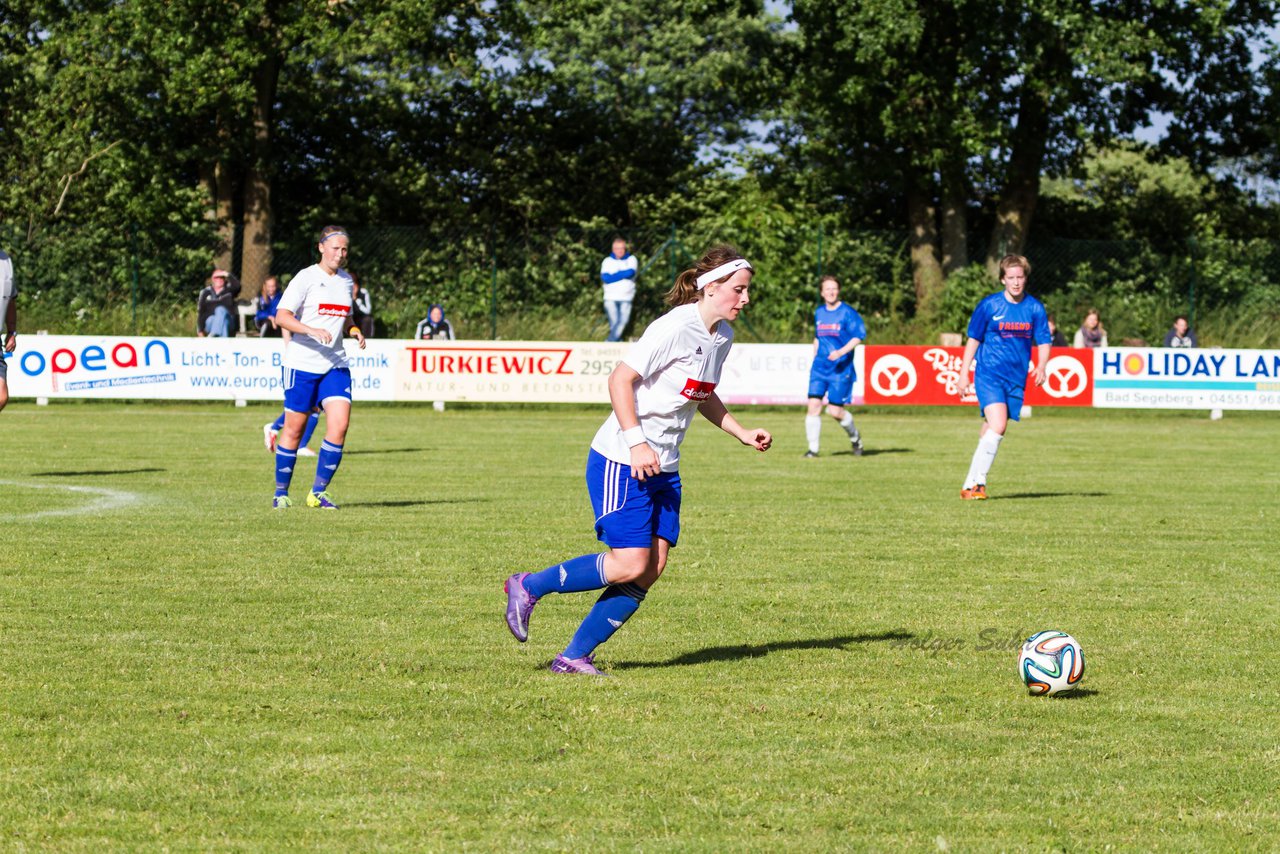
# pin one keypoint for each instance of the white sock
(812, 430)
(983, 457)
(847, 424)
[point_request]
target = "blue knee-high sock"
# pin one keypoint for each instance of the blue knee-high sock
(327, 463)
(286, 462)
(278, 424)
(585, 572)
(611, 610)
(312, 420)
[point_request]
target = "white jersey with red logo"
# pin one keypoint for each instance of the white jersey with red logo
(324, 302)
(679, 364)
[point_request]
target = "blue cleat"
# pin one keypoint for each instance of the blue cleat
(519, 606)
(281, 502)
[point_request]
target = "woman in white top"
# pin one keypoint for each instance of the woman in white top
(316, 309)
(632, 469)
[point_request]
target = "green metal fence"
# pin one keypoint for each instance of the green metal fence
(546, 285)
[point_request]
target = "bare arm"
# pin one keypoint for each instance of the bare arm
(622, 394)
(1042, 361)
(286, 321)
(353, 331)
(847, 348)
(970, 350)
(11, 324)
(714, 410)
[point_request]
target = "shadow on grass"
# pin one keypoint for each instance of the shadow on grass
(389, 451)
(412, 503)
(94, 472)
(1051, 495)
(737, 653)
(1077, 694)
(874, 452)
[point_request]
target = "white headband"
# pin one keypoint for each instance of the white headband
(720, 272)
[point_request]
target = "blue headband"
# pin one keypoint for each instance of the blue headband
(334, 234)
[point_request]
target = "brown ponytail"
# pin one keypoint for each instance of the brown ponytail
(685, 290)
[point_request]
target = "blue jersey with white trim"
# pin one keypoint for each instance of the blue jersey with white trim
(1007, 331)
(834, 328)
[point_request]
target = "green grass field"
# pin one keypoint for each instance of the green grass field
(829, 662)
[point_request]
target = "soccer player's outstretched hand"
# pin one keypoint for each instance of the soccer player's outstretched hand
(757, 438)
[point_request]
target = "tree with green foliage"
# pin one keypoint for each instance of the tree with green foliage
(955, 110)
(615, 105)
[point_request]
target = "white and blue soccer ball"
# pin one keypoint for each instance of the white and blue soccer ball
(1051, 663)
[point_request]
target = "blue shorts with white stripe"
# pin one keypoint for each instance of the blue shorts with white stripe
(630, 513)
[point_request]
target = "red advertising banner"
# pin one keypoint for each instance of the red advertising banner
(930, 376)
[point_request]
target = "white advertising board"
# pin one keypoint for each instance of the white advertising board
(54, 366)
(1164, 378)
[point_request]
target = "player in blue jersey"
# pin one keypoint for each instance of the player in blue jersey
(1001, 332)
(633, 477)
(838, 329)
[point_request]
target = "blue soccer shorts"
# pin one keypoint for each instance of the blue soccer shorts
(837, 387)
(1010, 394)
(630, 512)
(304, 391)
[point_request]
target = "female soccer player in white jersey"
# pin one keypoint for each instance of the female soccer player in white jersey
(632, 476)
(316, 308)
(1001, 332)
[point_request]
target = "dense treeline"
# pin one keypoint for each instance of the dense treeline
(482, 147)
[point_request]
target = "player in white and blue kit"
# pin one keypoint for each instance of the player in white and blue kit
(9, 320)
(316, 308)
(1001, 332)
(633, 467)
(838, 329)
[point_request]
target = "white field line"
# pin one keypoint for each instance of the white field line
(99, 500)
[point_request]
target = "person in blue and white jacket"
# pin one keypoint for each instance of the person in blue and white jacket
(618, 275)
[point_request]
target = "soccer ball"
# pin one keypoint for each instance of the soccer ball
(1051, 663)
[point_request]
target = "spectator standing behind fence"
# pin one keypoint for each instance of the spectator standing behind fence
(618, 275)
(434, 327)
(1091, 333)
(1059, 340)
(361, 306)
(9, 317)
(1181, 335)
(265, 317)
(216, 308)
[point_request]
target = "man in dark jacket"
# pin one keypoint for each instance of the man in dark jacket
(216, 307)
